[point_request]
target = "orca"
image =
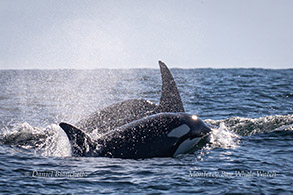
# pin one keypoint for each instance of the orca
(158, 135)
(127, 111)
(139, 128)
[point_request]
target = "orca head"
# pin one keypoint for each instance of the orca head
(198, 127)
(191, 131)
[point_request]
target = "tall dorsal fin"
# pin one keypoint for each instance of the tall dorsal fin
(170, 98)
(80, 142)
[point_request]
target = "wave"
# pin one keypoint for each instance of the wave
(248, 126)
(48, 141)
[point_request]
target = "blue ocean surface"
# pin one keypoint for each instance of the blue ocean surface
(250, 149)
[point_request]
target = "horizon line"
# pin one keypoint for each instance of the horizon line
(122, 68)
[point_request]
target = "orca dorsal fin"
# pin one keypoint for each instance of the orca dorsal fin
(170, 98)
(81, 143)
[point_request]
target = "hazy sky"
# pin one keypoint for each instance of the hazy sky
(136, 34)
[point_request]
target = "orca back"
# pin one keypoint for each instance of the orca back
(127, 111)
(170, 98)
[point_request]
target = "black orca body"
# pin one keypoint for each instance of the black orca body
(127, 111)
(159, 135)
(139, 128)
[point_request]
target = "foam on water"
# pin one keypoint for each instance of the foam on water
(223, 137)
(57, 144)
(48, 141)
(251, 126)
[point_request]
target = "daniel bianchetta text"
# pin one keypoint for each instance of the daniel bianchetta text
(218, 174)
(55, 173)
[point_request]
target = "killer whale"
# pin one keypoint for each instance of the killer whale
(127, 111)
(139, 128)
(158, 135)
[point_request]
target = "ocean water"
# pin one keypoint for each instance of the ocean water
(250, 149)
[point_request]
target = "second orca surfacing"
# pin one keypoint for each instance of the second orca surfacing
(127, 111)
(139, 128)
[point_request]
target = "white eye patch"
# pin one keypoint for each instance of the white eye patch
(179, 131)
(186, 146)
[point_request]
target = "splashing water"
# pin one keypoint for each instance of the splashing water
(23, 134)
(222, 137)
(49, 141)
(57, 144)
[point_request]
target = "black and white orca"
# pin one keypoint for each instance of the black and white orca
(159, 135)
(127, 111)
(139, 128)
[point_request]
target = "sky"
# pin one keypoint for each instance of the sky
(90, 34)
